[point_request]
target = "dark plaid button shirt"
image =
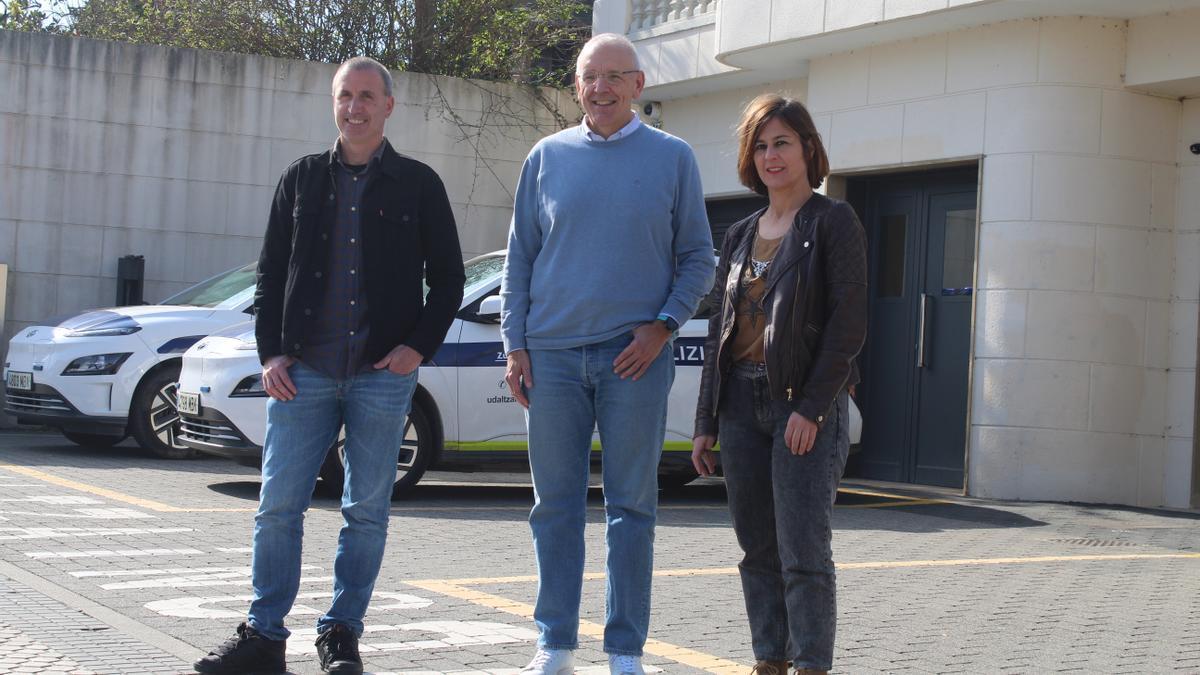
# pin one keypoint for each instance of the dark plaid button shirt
(338, 334)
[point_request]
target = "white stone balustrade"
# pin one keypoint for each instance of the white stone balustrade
(649, 13)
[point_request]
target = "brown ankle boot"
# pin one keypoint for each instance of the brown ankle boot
(770, 668)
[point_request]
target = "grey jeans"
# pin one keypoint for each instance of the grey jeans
(781, 506)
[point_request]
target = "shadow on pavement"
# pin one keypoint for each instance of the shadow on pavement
(701, 504)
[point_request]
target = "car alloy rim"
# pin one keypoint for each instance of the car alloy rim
(408, 449)
(164, 415)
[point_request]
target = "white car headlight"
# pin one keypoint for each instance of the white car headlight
(96, 364)
(249, 387)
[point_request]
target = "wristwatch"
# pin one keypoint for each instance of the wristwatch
(668, 321)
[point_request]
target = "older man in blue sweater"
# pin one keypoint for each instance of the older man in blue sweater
(608, 253)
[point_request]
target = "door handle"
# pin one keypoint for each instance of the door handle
(922, 315)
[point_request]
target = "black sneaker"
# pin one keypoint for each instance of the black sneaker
(338, 649)
(246, 652)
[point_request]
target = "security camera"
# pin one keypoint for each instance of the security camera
(653, 110)
(1195, 146)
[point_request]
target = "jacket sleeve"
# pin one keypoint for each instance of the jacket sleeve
(272, 268)
(845, 326)
(706, 405)
(443, 267)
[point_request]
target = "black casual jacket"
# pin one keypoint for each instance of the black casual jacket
(407, 229)
(816, 304)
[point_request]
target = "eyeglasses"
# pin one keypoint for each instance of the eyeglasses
(614, 78)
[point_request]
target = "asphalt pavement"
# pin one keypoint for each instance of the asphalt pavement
(112, 561)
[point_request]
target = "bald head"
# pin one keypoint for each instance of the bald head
(610, 42)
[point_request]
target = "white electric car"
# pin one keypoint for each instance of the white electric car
(105, 374)
(463, 416)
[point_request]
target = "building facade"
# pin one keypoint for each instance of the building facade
(1026, 173)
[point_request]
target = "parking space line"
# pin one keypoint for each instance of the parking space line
(882, 564)
(881, 505)
(688, 657)
(861, 492)
(1016, 561)
(459, 588)
(112, 494)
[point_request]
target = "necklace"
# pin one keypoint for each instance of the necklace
(759, 267)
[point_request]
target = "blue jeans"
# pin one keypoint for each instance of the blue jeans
(373, 407)
(575, 391)
(781, 506)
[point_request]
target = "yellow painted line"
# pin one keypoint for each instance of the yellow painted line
(889, 495)
(886, 564)
(688, 657)
(880, 505)
(112, 494)
(1016, 561)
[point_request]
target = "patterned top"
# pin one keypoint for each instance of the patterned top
(338, 333)
(751, 316)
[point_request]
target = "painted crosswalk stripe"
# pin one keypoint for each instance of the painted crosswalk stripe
(15, 533)
(84, 514)
(59, 500)
(118, 553)
(212, 607)
(184, 577)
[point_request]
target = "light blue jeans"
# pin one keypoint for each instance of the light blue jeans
(575, 391)
(374, 407)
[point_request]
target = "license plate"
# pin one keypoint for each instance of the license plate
(189, 404)
(22, 381)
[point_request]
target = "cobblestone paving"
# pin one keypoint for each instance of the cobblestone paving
(41, 635)
(927, 582)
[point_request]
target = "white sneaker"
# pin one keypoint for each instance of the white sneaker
(624, 664)
(551, 662)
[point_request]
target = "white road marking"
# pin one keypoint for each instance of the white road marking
(199, 608)
(451, 634)
(585, 670)
(68, 532)
(239, 549)
(54, 499)
(154, 571)
(182, 577)
(86, 514)
(118, 553)
(199, 581)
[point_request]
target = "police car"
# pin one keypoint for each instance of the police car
(105, 374)
(463, 415)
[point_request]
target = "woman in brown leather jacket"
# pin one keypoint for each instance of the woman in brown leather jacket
(791, 287)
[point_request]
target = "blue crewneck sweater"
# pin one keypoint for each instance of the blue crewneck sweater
(604, 236)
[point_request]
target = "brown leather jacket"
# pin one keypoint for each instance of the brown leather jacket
(816, 302)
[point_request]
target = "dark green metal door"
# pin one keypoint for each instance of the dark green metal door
(921, 238)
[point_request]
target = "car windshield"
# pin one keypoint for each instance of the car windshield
(224, 291)
(482, 271)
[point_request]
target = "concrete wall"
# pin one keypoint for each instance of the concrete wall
(1183, 340)
(708, 123)
(108, 149)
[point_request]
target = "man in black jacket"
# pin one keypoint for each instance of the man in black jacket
(342, 325)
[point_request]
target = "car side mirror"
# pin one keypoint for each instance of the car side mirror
(489, 308)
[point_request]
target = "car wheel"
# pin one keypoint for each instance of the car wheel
(669, 482)
(415, 453)
(93, 440)
(154, 414)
